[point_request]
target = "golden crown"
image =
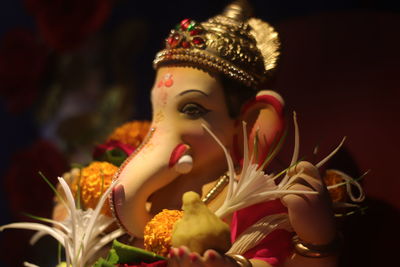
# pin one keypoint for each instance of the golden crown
(233, 43)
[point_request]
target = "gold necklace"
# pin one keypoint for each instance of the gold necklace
(217, 188)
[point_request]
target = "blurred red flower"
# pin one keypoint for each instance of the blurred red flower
(99, 150)
(22, 65)
(113, 151)
(25, 189)
(27, 192)
(64, 24)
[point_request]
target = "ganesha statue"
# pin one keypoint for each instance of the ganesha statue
(211, 77)
(215, 128)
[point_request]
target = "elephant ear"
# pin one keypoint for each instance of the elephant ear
(265, 121)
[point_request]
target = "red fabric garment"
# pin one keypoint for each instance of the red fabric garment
(275, 247)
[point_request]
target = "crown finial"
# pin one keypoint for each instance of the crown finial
(239, 10)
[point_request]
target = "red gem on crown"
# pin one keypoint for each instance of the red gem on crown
(188, 33)
(185, 44)
(174, 40)
(185, 24)
(198, 41)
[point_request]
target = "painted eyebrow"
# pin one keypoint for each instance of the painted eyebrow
(192, 91)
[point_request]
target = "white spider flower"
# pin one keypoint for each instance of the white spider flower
(253, 186)
(81, 234)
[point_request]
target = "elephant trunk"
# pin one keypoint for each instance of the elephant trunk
(151, 168)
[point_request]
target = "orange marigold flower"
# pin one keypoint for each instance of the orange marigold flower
(94, 180)
(158, 231)
(131, 133)
(338, 194)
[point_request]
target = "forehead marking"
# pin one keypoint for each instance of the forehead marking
(166, 81)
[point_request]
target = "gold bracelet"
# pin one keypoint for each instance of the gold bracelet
(315, 251)
(240, 260)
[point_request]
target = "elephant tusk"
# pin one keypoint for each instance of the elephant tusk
(184, 164)
(180, 159)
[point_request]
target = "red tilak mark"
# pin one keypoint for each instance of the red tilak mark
(160, 83)
(169, 82)
(177, 153)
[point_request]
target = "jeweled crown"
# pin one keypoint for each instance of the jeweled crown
(232, 43)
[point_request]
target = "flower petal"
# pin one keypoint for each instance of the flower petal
(36, 227)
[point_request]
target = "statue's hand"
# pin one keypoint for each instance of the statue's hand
(311, 215)
(182, 257)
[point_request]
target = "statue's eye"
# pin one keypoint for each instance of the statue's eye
(194, 111)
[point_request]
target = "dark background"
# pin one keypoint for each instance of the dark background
(339, 70)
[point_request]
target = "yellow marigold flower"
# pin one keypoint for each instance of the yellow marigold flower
(158, 231)
(338, 194)
(131, 133)
(94, 180)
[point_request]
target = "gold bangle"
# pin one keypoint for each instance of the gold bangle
(240, 260)
(315, 251)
